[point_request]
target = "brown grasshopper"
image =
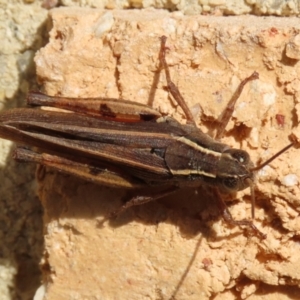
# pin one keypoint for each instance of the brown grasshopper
(125, 144)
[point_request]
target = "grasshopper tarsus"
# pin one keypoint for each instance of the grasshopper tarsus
(247, 223)
(223, 209)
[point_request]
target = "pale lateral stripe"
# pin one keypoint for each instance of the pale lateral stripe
(187, 172)
(113, 132)
(101, 131)
(198, 147)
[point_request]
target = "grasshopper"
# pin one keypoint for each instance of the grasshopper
(128, 145)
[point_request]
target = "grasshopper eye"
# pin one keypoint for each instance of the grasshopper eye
(241, 156)
(231, 184)
(234, 184)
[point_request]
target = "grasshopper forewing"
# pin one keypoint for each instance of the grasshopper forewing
(125, 144)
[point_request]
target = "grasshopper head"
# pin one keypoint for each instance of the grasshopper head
(234, 170)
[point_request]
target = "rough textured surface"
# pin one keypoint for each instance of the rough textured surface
(22, 31)
(177, 246)
(195, 7)
(21, 34)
